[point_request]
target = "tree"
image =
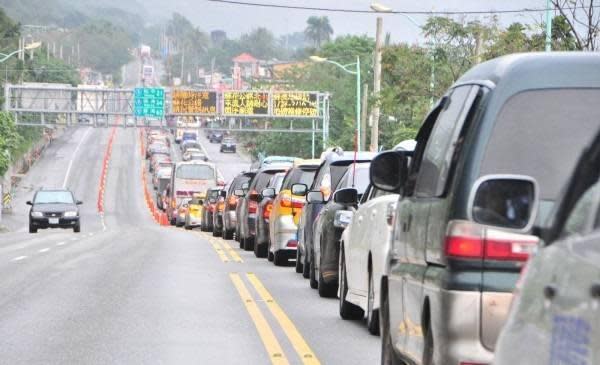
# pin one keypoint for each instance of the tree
(318, 30)
(9, 141)
(580, 20)
(261, 43)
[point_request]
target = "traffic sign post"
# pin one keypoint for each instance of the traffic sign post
(149, 102)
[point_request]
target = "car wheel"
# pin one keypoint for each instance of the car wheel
(188, 227)
(260, 250)
(77, 228)
(347, 309)
(227, 234)
(372, 314)
(299, 266)
(305, 266)
(280, 258)
(216, 233)
(326, 290)
(249, 244)
(32, 229)
(312, 278)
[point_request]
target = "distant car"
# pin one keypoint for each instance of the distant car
(327, 231)
(263, 214)
(130, 122)
(249, 203)
(193, 217)
(157, 147)
(216, 137)
(189, 144)
(196, 156)
(189, 136)
(228, 145)
(219, 214)
(230, 222)
(210, 203)
(156, 160)
(54, 209)
(285, 215)
(554, 313)
(181, 213)
(162, 172)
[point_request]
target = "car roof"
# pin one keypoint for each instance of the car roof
(305, 164)
(195, 162)
(538, 70)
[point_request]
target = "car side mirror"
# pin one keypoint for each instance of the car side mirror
(79, 202)
(268, 193)
(223, 193)
(315, 197)
(239, 193)
(29, 202)
(389, 170)
(299, 189)
(348, 196)
(507, 201)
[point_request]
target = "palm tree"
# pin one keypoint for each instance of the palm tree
(318, 30)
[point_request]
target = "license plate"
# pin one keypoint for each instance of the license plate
(53, 220)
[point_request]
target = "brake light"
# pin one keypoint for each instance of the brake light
(232, 201)
(292, 243)
(252, 206)
(267, 211)
(468, 240)
(288, 201)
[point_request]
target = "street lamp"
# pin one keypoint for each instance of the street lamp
(33, 45)
(347, 69)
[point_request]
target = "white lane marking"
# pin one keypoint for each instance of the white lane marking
(19, 258)
(44, 250)
(61, 243)
(64, 185)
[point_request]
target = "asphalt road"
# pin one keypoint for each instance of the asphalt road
(126, 290)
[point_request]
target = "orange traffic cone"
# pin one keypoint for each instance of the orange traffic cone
(164, 221)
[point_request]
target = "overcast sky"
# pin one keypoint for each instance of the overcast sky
(236, 19)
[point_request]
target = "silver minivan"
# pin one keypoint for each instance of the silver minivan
(555, 316)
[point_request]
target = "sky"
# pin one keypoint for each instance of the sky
(237, 19)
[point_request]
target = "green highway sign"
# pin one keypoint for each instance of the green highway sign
(149, 102)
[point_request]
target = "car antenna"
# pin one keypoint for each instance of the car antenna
(355, 153)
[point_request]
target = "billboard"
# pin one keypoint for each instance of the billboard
(295, 104)
(194, 102)
(246, 103)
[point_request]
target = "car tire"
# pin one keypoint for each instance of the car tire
(312, 277)
(348, 310)
(32, 229)
(299, 266)
(280, 258)
(326, 290)
(77, 228)
(372, 314)
(260, 250)
(227, 234)
(305, 267)
(216, 233)
(249, 244)
(187, 227)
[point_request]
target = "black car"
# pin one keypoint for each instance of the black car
(54, 209)
(328, 175)
(228, 145)
(216, 137)
(326, 236)
(230, 221)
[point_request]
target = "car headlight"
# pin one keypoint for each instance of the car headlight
(37, 214)
(70, 214)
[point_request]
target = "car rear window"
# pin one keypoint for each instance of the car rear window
(262, 179)
(299, 176)
(541, 133)
(361, 180)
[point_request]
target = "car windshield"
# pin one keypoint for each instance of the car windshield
(195, 172)
(54, 197)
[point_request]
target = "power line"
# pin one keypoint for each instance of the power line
(405, 12)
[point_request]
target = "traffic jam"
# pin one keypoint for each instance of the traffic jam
(474, 243)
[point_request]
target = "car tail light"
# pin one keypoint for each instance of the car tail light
(267, 211)
(289, 201)
(252, 206)
(292, 243)
(390, 212)
(220, 206)
(232, 201)
(468, 240)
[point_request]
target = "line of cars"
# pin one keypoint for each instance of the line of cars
(431, 242)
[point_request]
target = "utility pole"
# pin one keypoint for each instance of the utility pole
(363, 117)
(182, 61)
(376, 86)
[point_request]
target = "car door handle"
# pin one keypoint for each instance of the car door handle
(550, 292)
(595, 291)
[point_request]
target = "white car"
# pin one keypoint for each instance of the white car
(364, 249)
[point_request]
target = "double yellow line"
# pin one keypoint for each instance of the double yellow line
(272, 345)
(222, 248)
